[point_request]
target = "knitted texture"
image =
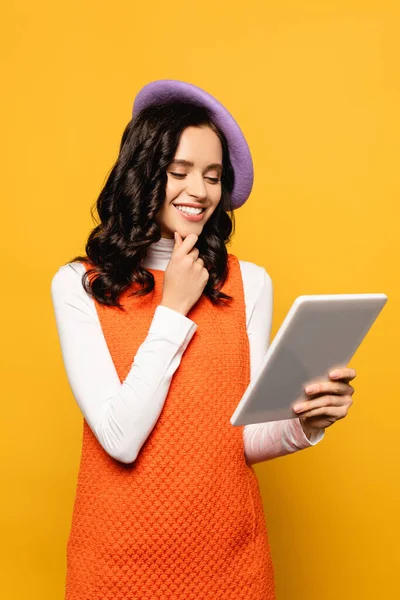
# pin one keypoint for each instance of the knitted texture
(185, 520)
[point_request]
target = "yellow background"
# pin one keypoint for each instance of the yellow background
(315, 86)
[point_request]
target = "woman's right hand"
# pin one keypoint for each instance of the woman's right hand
(185, 276)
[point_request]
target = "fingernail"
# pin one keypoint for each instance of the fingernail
(298, 408)
(334, 374)
(311, 389)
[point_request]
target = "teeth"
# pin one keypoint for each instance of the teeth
(189, 209)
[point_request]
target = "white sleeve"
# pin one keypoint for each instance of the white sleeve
(263, 441)
(121, 415)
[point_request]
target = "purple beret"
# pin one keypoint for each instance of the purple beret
(170, 90)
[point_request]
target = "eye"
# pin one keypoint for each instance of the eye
(178, 175)
(213, 179)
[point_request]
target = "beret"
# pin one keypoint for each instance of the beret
(164, 91)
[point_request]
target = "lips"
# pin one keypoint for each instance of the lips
(188, 216)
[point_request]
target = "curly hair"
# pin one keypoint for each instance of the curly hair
(132, 196)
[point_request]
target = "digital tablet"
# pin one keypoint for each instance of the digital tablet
(319, 333)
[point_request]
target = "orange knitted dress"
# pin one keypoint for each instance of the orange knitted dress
(185, 520)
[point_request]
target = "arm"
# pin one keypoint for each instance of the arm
(263, 441)
(121, 415)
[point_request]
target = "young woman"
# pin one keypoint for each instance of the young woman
(161, 331)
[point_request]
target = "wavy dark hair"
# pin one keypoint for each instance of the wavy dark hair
(132, 196)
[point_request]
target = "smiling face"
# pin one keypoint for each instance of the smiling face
(193, 188)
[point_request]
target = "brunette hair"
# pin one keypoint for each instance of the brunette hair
(131, 198)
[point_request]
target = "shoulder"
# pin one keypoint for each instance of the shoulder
(255, 277)
(258, 295)
(257, 287)
(67, 278)
(67, 287)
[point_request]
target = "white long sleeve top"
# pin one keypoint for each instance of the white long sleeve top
(123, 414)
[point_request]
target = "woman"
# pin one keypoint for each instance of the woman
(161, 330)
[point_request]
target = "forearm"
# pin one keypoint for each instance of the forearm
(264, 441)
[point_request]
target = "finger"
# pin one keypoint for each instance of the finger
(321, 402)
(187, 243)
(329, 387)
(337, 412)
(200, 262)
(194, 254)
(343, 373)
(178, 240)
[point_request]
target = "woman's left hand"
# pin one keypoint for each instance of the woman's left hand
(329, 401)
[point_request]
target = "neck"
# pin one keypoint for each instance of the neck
(159, 254)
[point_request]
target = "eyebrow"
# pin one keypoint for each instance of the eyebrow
(188, 163)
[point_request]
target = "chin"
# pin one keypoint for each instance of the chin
(185, 230)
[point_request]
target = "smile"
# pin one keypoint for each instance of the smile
(190, 213)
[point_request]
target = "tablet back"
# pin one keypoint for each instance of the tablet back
(318, 333)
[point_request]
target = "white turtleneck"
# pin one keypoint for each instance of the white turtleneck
(122, 415)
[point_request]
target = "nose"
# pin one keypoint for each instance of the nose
(196, 186)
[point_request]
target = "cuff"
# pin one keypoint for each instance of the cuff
(168, 324)
(303, 440)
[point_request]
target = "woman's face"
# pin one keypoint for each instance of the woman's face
(194, 183)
